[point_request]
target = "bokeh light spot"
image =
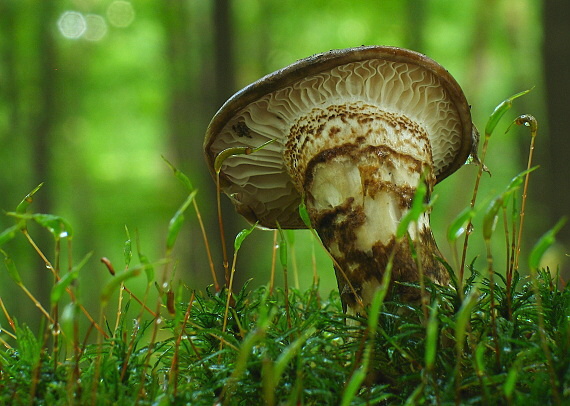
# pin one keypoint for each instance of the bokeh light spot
(96, 27)
(72, 24)
(120, 13)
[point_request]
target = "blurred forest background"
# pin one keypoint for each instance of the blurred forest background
(94, 92)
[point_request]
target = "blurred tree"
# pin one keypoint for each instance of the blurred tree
(91, 117)
(201, 60)
(31, 108)
(43, 119)
(556, 176)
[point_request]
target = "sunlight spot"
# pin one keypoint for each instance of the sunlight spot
(120, 13)
(96, 27)
(71, 24)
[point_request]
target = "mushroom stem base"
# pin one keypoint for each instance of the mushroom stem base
(355, 203)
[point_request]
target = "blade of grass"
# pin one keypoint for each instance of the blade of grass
(534, 262)
(25, 203)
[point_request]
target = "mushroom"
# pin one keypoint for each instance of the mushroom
(351, 133)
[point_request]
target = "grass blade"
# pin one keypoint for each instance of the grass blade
(25, 203)
(177, 220)
(543, 244)
(61, 286)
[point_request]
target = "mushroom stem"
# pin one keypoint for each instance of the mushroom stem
(358, 168)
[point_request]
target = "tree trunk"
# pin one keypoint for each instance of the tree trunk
(44, 113)
(556, 15)
(202, 78)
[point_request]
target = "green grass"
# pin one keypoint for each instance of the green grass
(488, 338)
(259, 358)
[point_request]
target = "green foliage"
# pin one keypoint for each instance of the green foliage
(489, 339)
(394, 357)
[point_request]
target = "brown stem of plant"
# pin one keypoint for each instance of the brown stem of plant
(172, 378)
(207, 245)
(531, 122)
(469, 227)
(222, 233)
(68, 290)
(273, 261)
(510, 250)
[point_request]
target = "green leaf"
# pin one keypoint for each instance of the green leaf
(114, 283)
(282, 248)
(9, 234)
(543, 244)
(353, 386)
(304, 214)
(185, 180)
(463, 317)
(480, 358)
(417, 209)
(128, 248)
(226, 153)
(56, 225)
(147, 266)
(373, 314)
(67, 320)
(491, 213)
(21, 208)
(491, 216)
(459, 224)
(288, 353)
(242, 235)
(511, 381)
(517, 181)
(30, 348)
(11, 267)
(376, 305)
(500, 111)
(432, 331)
(177, 221)
(60, 287)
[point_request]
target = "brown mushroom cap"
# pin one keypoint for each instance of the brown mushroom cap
(392, 79)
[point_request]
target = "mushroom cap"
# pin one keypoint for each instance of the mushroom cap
(396, 80)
